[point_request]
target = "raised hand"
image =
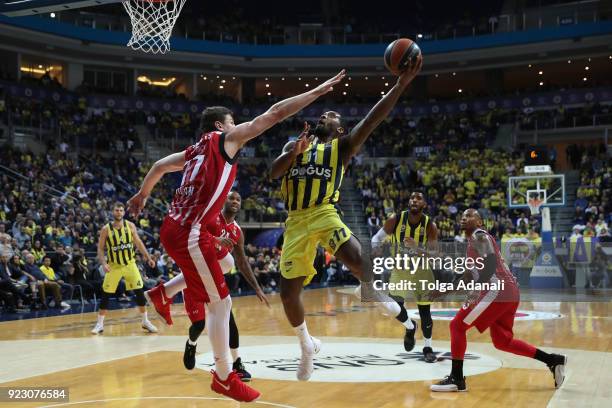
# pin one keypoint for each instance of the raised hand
(411, 72)
(303, 140)
(136, 204)
(328, 85)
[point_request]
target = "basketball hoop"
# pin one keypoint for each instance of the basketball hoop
(534, 204)
(152, 23)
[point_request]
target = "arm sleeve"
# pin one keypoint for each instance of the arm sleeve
(379, 238)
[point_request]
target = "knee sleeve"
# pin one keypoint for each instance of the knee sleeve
(196, 329)
(234, 339)
(140, 297)
(104, 301)
(426, 321)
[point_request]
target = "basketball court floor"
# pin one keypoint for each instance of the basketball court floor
(362, 362)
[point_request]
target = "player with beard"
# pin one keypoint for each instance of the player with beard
(230, 240)
(312, 169)
(489, 309)
(119, 261)
(415, 232)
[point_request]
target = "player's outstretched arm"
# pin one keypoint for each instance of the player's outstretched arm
(246, 271)
(383, 234)
(168, 164)
(238, 136)
(351, 143)
(282, 163)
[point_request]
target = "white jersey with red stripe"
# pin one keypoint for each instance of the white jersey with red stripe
(219, 227)
(502, 273)
(208, 175)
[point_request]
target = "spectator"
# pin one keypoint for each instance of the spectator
(45, 285)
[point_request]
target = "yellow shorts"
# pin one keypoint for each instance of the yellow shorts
(129, 272)
(304, 230)
(419, 294)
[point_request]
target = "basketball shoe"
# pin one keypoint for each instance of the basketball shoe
(244, 375)
(558, 369)
(233, 388)
(449, 384)
(306, 367)
(157, 297)
(189, 356)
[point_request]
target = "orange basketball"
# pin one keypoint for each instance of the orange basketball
(400, 54)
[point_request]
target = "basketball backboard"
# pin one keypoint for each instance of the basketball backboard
(14, 8)
(549, 188)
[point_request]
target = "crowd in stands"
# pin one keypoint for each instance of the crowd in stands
(593, 197)
(452, 180)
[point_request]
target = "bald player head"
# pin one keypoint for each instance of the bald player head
(470, 221)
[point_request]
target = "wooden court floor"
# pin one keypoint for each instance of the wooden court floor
(362, 362)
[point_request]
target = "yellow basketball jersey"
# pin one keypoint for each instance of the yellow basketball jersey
(314, 177)
(120, 245)
(403, 229)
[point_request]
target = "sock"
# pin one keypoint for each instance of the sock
(144, 316)
(192, 343)
(543, 357)
(235, 354)
(426, 342)
(101, 319)
(457, 370)
(403, 318)
(217, 317)
(175, 285)
(302, 332)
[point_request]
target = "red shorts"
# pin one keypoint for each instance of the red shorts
(483, 314)
(195, 310)
(193, 250)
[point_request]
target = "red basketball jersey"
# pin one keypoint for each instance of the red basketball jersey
(220, 228)
(502, 272)
(208, 175)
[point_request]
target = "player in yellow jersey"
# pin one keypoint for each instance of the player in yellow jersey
(118, 259)
(312, 168)
(415, 233)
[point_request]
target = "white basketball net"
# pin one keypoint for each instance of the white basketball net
(152, 23)
(534, 205)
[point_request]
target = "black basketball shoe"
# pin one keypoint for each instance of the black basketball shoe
(189, 356)
(429, 355)
(409, 337)
(449, 384)
(244, 375)
(558, 369)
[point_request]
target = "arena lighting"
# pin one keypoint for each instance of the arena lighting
(52, 15)
(454, 73)
(436, 75)
(344, 93)
(165, 82)
(233, 77)
(529, 65)
(460, 90)
(37, 70)
(220, 86)
(283, 78)
(269, 93)
(267, 85)
(584, 79)
(306, 85)
(205, 78)
(540, 72)
(541, 83)
(346, 84)
(217, 76)
(366, 78)
(569, 61)
(40, 66)
(419, 35)
(586, 68)
(266, 78)
(386, 84)
(223, 81)
(299, 78)
(382, 92)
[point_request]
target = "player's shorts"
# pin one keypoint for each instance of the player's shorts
(485, 313)
(129, 272)
(420, 294)
(196, 310)
(304, 230)
(193, 250)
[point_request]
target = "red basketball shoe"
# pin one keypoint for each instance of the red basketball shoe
(157, 297)
(233, 387)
